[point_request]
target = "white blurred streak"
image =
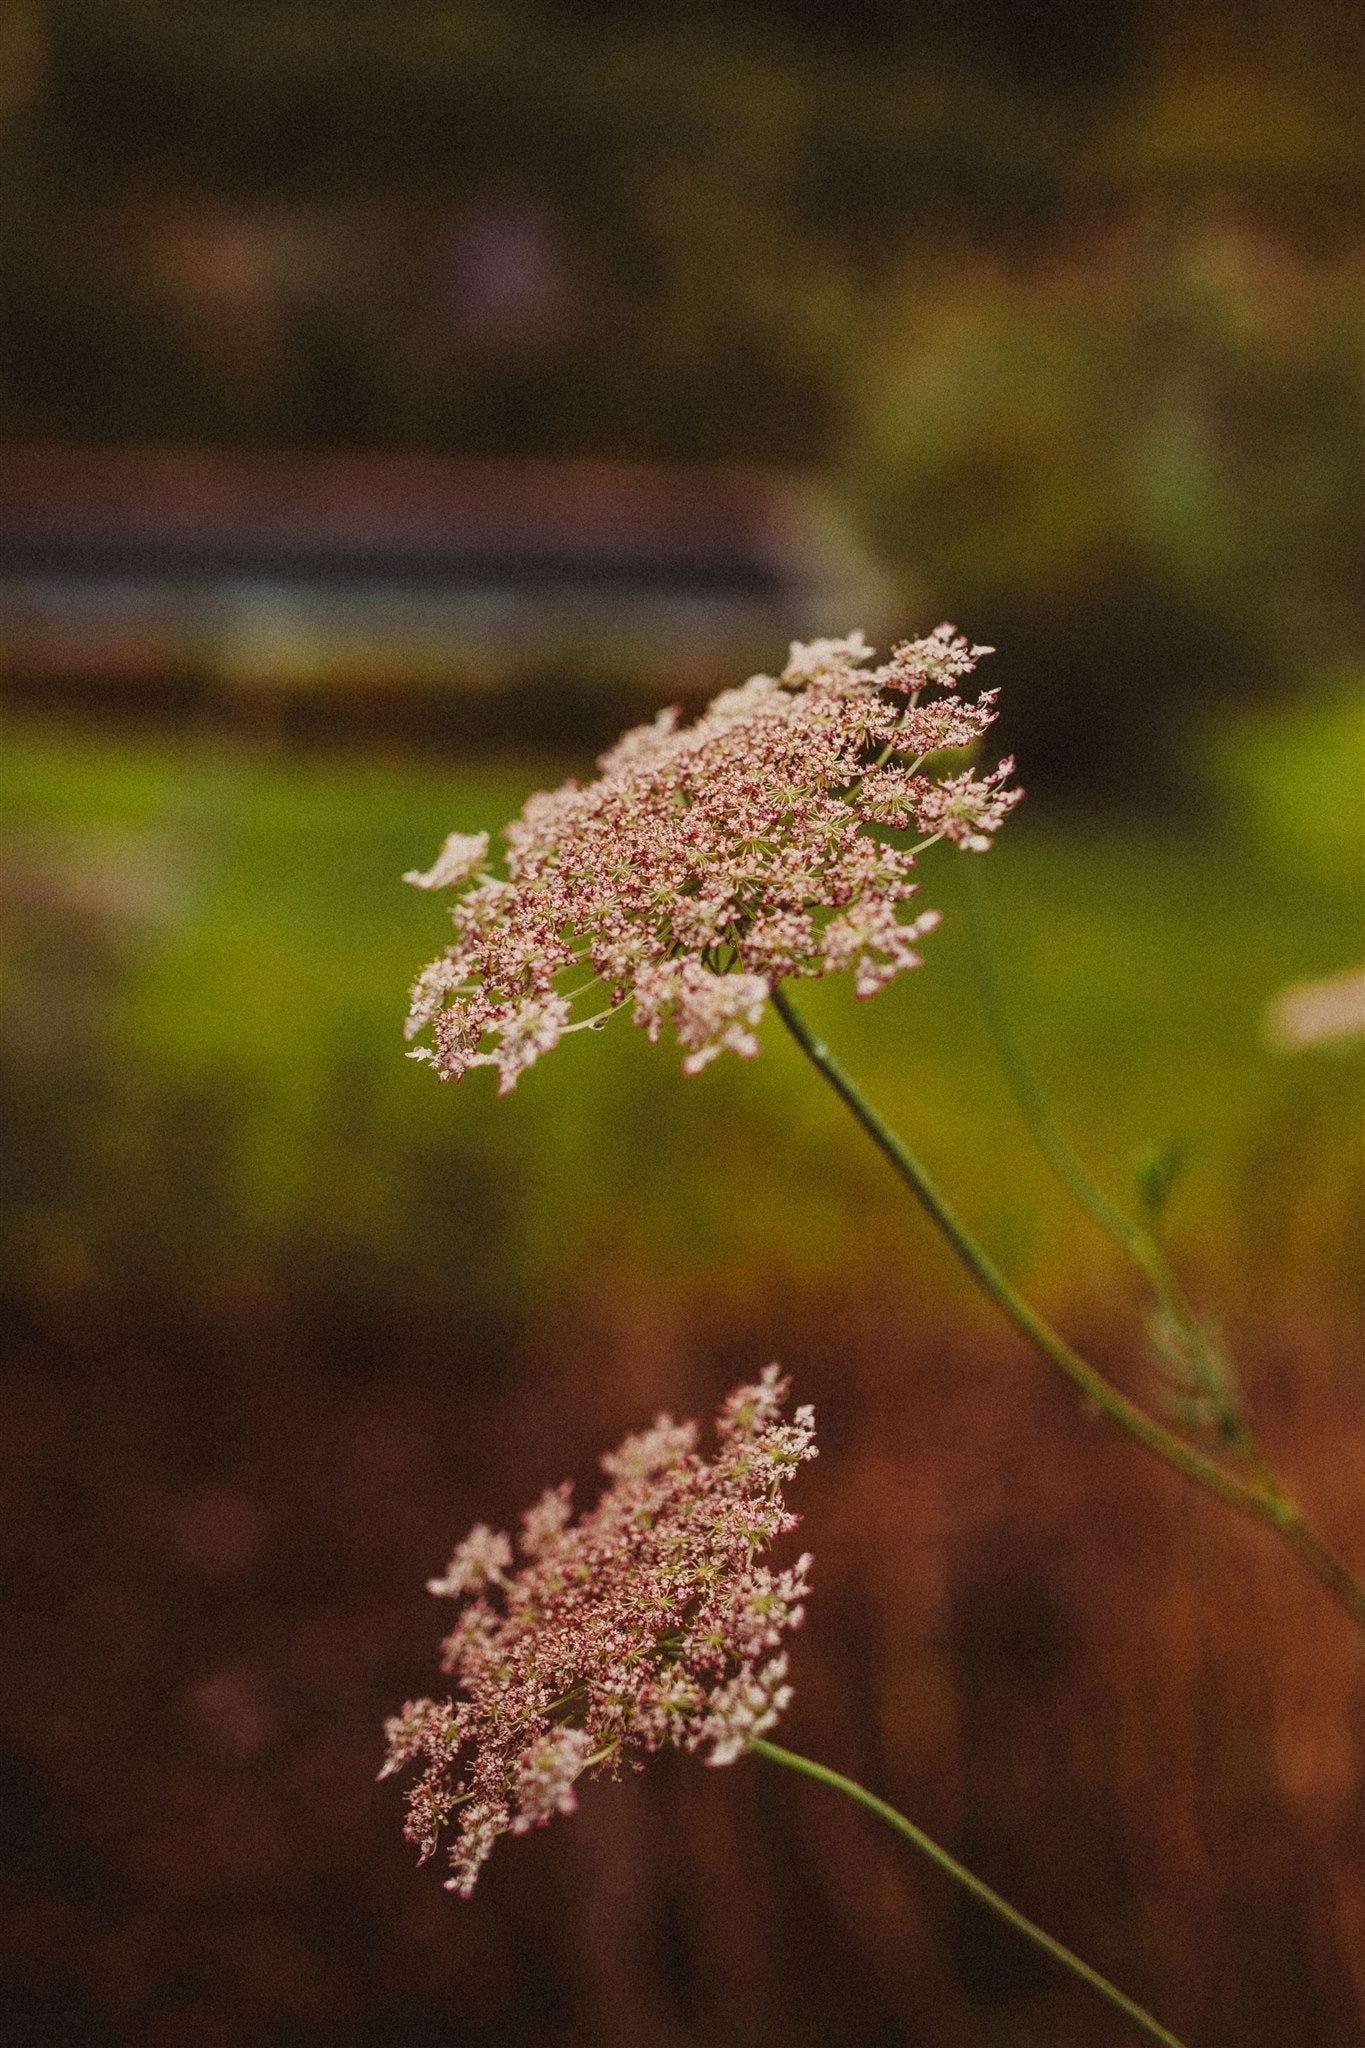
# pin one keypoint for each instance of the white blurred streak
(1316, 1012)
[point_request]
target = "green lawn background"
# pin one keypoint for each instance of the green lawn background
(208, 1090)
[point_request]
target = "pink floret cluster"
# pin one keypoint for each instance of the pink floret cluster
(647, 1622)
(710, 861)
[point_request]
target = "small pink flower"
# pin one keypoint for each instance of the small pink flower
(647, 1623)
(481, 1560)
(543, 1524)
(969, 809)
(545, 1777)
(461, 856)
(709, 862)
(749, 1705)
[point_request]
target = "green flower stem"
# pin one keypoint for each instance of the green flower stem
(824, 1776)
(1139, 1243)
(1261, 1502)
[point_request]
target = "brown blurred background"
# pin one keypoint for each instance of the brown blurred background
(394, 401)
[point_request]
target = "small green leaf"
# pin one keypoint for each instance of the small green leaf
(1155, 1176)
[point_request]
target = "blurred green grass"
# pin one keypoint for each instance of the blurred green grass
(207, 1090)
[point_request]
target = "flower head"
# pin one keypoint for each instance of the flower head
(710, 861)
(647, 1622)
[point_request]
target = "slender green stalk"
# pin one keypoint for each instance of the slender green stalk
(1262, 1503)
(930, 1848)
(1140, 1244)
(1130, 1236)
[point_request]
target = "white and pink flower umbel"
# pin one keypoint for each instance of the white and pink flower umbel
(649, 1622)
(708, 862)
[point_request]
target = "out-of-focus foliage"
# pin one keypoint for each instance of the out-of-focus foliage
(1166, 422)
(1178, 397)
(1294, 778)
(1073, 309)
(519, 227)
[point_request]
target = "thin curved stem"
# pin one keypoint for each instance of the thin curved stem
(1261, 1503)
(1091, 1383)
(1138, 2014)
(1133, 1238)
(1126, 1233)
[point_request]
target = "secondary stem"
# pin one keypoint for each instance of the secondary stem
(1139, 1243)
(958, 1871)
(1264, 1504)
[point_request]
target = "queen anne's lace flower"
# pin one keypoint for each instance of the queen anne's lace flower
(648, 1622)
(710, 861)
